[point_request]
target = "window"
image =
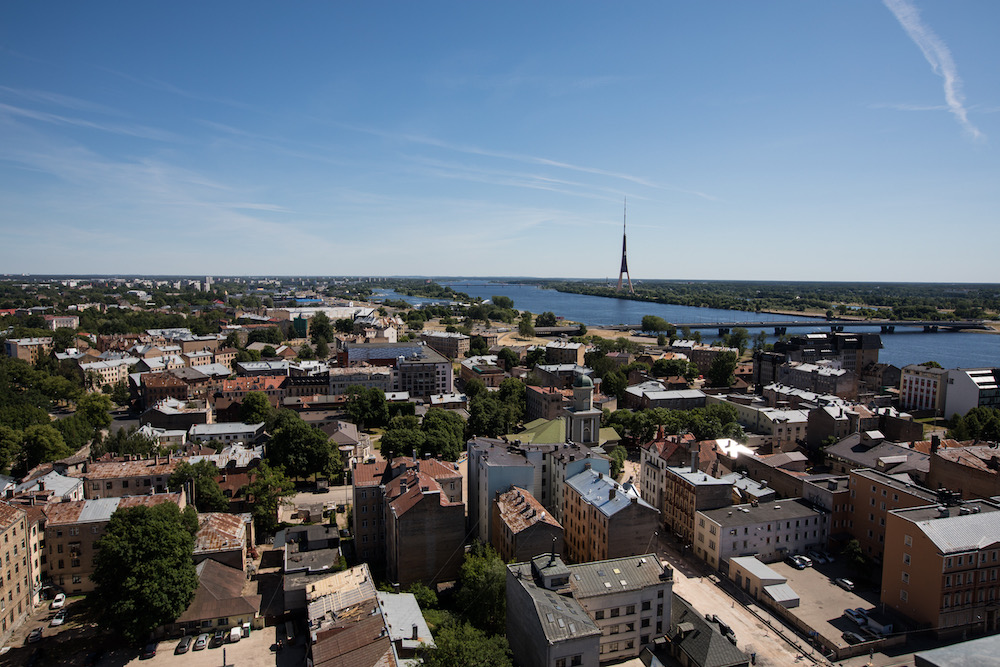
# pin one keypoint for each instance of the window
(630, 609)
(903, 596)
(906, 577)
(907, 540)
(645, 605)
(906, 559)
(599, 614)
(614, 612)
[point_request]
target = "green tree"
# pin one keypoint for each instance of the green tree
(265, 492)
(509, 358)
(618, 457)
(462, 645)
(720, 373)
(401, 442)
(444, 434)
(306, 353)
(268, 351)
(320, 328)
(478, 346)
(125, 442)
(344, 325)
(426, 597)
(41, 443)
(96, 409)
(474, 387)
(656, 324)
(546, 319)
(143, 572)
(255, 408)
(208, 496)
(10, 447)
(614, 384)
(482, 592)
(120, 394)
(525, 327)
(322, 349)
(535, 356)
(366, 407)
(301, 449)
(738, 338)
(502, 302)
(512, 395)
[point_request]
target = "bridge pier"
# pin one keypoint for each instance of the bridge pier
(780, 331)
(836, 328)
(888, 328)
(930, 328)
(723, 331)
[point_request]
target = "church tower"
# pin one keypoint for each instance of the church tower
(583, 421)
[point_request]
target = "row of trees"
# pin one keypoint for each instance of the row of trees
(709, 423)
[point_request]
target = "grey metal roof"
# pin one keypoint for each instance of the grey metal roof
(781, 593)
(631, 573)
(99, 509)
(704, 644)
(757, 568)
(698, 478)
(401, 613)
(747, 515)
(957, 532)
(560, 617)
(53, 481)
(596, 489)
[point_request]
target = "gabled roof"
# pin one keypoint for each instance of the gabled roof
(219, 594)
(699, 639)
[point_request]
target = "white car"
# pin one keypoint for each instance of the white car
(59, 618)
(58, 601)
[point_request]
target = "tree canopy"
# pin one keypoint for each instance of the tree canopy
(463, 645)
(546, 319)
(366, 407)
(255, 408)
(482, 592)
(302, 449)
(208, 496)
(265, 493)
(981, 423)
(143, 571)
(720, 373)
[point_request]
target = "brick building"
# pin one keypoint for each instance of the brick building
(873, 495)
(603, 519)
(15, 570)
(522, 528)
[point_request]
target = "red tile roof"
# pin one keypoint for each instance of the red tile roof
(369, 474)
(10, 514)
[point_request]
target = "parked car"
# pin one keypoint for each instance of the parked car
(846, 584)
(827, 555)
(58, 601)
(816, 556)
(218, 638)
(795, 562)
(805, 559)
(148, 652)
(201, 642)
(35, 635)
(59, 618)
(852, 638)
(184, 645)
(855, 616)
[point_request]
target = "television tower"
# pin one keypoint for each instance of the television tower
(624, 270)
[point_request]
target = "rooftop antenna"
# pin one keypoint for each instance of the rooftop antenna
(623, 273)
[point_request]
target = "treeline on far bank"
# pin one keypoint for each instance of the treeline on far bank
(894, 301)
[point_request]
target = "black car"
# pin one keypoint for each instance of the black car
(149, 651)
(218, 639)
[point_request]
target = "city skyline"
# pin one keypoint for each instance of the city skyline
(473, 140)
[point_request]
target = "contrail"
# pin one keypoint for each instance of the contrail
(937, 54)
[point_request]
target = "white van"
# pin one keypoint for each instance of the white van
(235, 634)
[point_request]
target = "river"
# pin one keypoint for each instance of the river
(951, 350)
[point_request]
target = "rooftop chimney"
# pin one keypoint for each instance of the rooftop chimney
(935, 443)
(611, 494)
(415, 633)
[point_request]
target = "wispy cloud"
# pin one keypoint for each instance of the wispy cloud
(910, 107)
(939, 56)
(139, 131)
(58, 99)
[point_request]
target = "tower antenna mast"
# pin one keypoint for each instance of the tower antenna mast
(623, 273)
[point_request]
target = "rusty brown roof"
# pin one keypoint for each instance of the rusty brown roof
(10, 514)
(520, 510)
(369, 474)
(218, 531)
(120, 469)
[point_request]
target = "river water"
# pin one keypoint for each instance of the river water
(951, 350)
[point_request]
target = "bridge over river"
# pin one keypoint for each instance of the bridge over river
(781, 326)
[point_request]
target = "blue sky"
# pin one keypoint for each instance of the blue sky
(754, 140)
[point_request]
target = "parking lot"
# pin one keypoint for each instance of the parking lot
(252, 651)
(822, 602)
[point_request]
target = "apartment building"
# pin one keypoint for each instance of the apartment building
(923, 388)
(370, 499)
(603, 519)
(27, 349)
(522, 528)
(971, 388)
(53, 322)
(372, 377)
(873, 494)
(822, 377)
(544, 402)
(832, 493)
(424, 531)
(111, 372)
(483, 368)
(564, 352)
(687, 490)
(72, 530)
(114, 479)
(450, 344)
(585, 614)
(15, 571)
(769, 531)
(941, 566)
(424, 374)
